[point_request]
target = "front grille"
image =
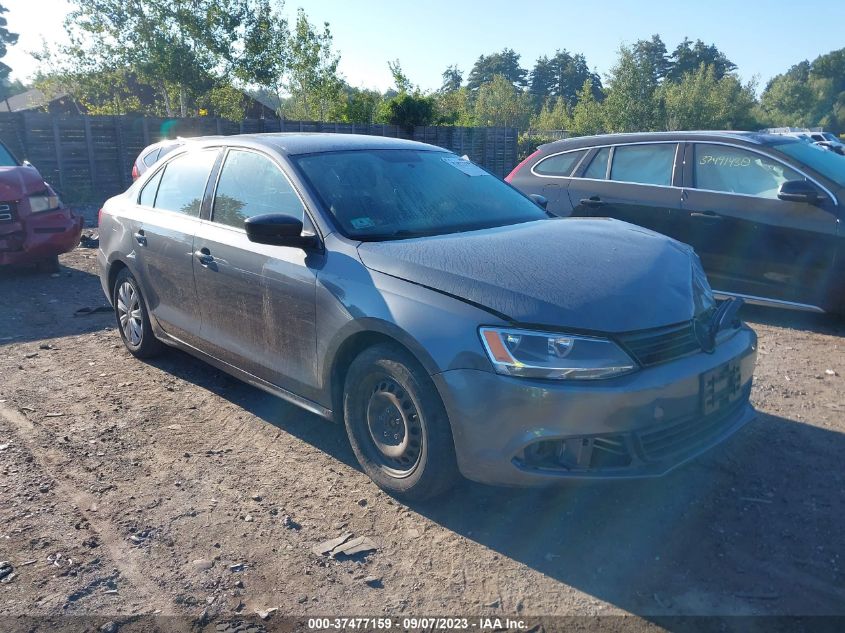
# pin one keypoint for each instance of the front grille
(688, 434)
(661, 345)
(8, 212)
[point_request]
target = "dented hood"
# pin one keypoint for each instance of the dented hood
(590, 274)
(18, 182)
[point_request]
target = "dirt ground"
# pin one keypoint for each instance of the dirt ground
(167, 487)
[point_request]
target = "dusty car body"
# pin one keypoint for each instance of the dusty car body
(514, 347)
(35, 227)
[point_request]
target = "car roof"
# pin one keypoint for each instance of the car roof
(752, 138)
(293, 143)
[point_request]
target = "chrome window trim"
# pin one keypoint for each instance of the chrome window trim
(588, 148)
(765, 155)
(575, 167)
(772, 303)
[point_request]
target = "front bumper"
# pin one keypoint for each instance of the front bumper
(512, 431)
(39, 236)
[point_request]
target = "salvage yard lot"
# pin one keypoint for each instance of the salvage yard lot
(129, 487)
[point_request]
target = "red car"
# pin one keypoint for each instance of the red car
(35, 227)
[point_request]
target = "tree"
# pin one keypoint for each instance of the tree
(562, 75)
(362, 105)
(505, 64)
(632, 104)
(7, 38)
(408, 110)
(313, 82)
(654, 52)
(554, 115)
(687, 58)
(702, 102)
(452, 80)
(455, 107)
(587, 115)
(400, 79)
(498, 103)
(264, 54)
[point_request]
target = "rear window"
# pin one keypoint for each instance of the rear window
(644, 164)
(152, 157)
(559, 165)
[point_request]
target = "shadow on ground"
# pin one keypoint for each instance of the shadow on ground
(752, 527)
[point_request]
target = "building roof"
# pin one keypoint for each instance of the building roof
(29, 100)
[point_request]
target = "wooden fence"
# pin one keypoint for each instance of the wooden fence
(89, 158)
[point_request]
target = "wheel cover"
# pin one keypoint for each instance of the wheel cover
(129, 313)
(395, 427)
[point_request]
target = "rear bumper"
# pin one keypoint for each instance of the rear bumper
(39, 236)
(511, 431)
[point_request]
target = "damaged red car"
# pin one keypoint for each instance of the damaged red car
(35, 227)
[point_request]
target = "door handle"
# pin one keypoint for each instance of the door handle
(204, 256)
(594, 202)
(707, 216)
(141, 238)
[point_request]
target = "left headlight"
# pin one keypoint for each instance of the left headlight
(550, 355)
(45, 201)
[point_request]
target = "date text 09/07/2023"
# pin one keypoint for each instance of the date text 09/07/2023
(483, 624)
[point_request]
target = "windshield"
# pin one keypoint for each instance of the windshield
(829, 164)
(391, 194)
(6, 158)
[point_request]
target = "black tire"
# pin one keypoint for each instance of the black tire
(387, 390)
(145, 344)
(49, 265)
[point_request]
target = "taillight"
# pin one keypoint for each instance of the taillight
(510, 176)
(135, 173)
(100, 217)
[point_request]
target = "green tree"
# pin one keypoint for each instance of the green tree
(505, 64)
(400, 79)
(263, 57)
(654, 51)
(554, 115)
(453, 78)
(362, 105)
(632, 103)
(687, 57)
(455, 107)
(7, 39)
(702, 102)
(498, 103)
(314, 85)
(587, 115)
(562, 75)
(408, 110)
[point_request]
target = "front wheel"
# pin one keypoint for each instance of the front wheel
(397, 424)
(133, 320)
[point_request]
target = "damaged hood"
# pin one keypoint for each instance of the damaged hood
(18, 182)
(590, 274)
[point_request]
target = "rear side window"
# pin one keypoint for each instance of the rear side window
(148, 193)
(183, 183)
(735, 170)
(152, 157)
(251, 184)
(646, 164)
(560, 165)
(6, 158)
(598, 166)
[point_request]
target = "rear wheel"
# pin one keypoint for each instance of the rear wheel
(133, 321)
(397, 424)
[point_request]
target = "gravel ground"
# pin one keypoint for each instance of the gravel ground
(167, 487)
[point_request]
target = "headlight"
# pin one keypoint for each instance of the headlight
(549, 355)
(45, 201)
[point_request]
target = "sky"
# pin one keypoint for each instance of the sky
(762, 37)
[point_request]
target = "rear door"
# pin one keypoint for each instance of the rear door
(550, 177)
(633, 182)
(751, 242)
(258, 300)
(169, 215)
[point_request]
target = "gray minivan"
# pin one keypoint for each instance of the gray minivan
(451, 323)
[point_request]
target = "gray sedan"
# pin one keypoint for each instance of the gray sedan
(447, 320)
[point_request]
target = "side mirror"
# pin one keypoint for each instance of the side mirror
(278, 229)
(540, 201)
(798, 191)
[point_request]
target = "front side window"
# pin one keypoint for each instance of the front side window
(735, 170)
(392, 194)
(560, 165)
(251, 184)
(183, 182)
(598, 166)
(6, 158)
(829, 164)
(646, 164)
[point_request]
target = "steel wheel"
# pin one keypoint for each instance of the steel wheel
(394, 427)
(129, 313)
